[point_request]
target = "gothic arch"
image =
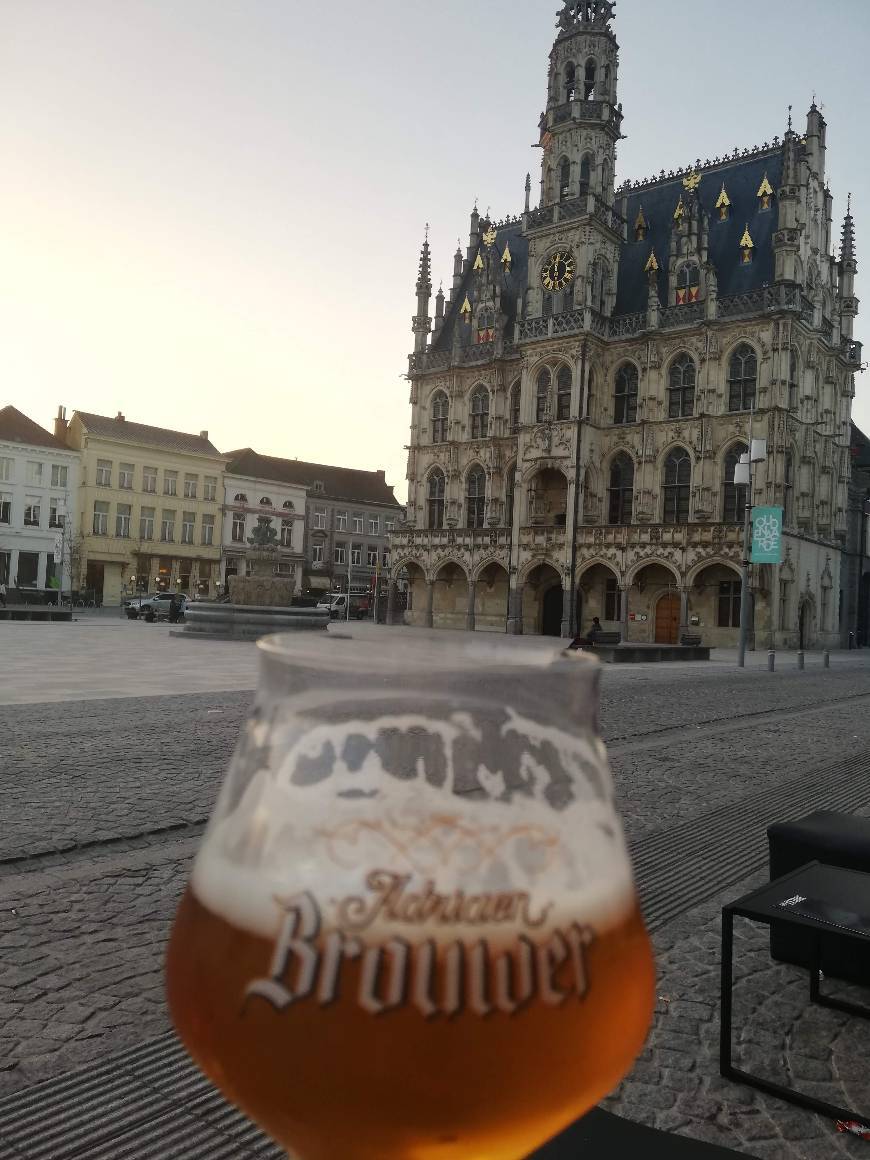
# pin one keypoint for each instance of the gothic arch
(538, 562)
(665, 453)
(480, 385)
(711, 562)
(488, 563)
(451, 561)
(729, 446)
(635, 569)
(729, 351)
(399, 567)
(599, 562)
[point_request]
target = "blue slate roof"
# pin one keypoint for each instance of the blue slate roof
(513, 284)
(742, 179)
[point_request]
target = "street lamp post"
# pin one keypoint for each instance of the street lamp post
(743, 477)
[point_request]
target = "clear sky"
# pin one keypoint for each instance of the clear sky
(211, 211)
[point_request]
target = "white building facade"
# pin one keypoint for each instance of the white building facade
(250, 501)
(39, 480)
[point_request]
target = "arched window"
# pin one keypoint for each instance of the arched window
(564, 381)
(625, 396)
(733, 494)
(570, 80)
(515, 408)
(688, 284)
(742, 378)
(600, 278)
(480, 413)
(286, 533)
(435, 499)
(289, 506)
(564, 179)
(620, 493)
(266, 502)
(793, 381)
(475, 498)
(678, 484)
(681, 394)
(241, 498)
(585, 173)
(440, 416)
(542, 406)
(589, 80)
(788, 490)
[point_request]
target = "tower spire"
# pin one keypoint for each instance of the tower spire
(847, 246)
(422, 323)
(848, 268)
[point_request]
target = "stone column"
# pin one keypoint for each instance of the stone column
(684, 610)
(429, 620)
(623, 597)
(470, 623)
(566, 613)
(391, 602)
(515, 611)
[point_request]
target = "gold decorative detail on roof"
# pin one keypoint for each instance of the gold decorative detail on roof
(652, 265)
(478, 261)
(765, 189)
(640, 225)
(680, 211)
(507, 256)
(746, 241)
(724, 200)
(489, 237)
(692, 181)
(466, 307)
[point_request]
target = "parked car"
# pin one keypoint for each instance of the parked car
(155, 607)
(337, 605)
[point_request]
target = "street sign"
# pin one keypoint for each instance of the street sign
(767, 535)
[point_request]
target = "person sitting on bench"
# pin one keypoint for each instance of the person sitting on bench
(581, 642)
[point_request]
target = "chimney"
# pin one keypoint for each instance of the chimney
(203, 435)
(119, 418)
(60, 424)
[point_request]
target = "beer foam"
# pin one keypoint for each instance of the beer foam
(327, 805)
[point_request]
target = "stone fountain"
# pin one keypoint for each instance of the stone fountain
(260, 603)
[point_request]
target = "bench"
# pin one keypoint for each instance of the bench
(610, 639)
(689, 640)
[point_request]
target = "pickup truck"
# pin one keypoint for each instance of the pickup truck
(155, 607)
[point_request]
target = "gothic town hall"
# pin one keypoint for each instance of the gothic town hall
(582, 397)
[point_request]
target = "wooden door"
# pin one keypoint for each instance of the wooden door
(668, 619)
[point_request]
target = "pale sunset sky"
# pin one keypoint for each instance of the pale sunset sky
(211, 211)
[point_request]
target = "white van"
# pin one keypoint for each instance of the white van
(337, 605)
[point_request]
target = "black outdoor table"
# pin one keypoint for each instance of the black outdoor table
(602, 1136)
(819, 899)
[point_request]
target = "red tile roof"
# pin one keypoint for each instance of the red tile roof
(15, 427)
(343, 483)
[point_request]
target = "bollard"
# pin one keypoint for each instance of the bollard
(801, 661)
(771, 661)
(827, 659)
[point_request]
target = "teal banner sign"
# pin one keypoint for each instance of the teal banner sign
(767, 535)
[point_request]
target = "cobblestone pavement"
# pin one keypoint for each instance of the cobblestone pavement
(103, 802)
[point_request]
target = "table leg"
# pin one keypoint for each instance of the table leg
(727, 992)
(821, 1000)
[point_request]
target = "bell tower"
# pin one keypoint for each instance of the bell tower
(582, 122)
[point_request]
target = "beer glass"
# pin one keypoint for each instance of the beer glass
(411, 932)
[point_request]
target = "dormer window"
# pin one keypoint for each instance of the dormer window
(747, 247)
(265, 502)
(319, 487)
(765, 193)
(640, 226)
(241, 498)
(688, 284)
(724, 205)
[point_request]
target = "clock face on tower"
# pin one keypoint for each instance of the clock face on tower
(559, 271)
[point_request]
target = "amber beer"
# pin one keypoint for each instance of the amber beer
(377, 974)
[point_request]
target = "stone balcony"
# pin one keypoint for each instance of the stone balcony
(711, 537)
(414, 541)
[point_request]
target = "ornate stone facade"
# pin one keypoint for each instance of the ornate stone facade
(601, 363)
